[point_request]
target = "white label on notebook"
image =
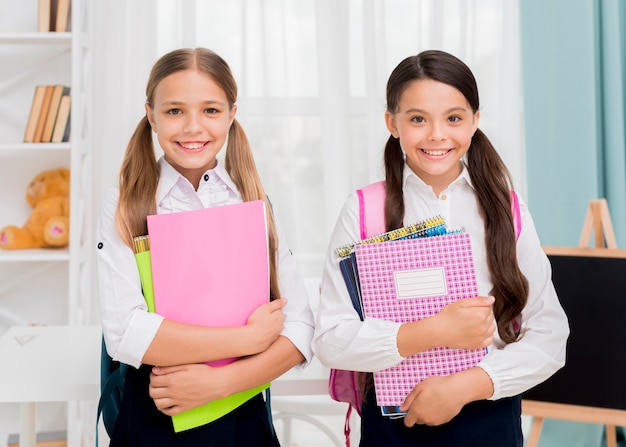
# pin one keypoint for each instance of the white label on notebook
(420, 283)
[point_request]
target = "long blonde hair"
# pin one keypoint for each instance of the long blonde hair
(139, 174)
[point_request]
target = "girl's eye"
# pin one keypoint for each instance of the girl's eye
(174, 112)
(211, 111)
(417, 119)
(454, 119)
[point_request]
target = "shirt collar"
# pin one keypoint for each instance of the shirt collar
(221, 173)
(169, 177)
(408, 176)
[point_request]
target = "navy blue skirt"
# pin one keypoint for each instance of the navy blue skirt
(479, 424)
(140, 423)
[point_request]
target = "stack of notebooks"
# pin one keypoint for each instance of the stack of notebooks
(207, 267)
(406, 275)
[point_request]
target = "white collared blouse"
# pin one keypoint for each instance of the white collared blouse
(127, 326)
(342, 341)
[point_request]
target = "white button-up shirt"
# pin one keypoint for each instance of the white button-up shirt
(343, 341)
(127, 325)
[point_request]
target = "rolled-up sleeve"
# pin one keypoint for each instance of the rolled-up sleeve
(127, 326)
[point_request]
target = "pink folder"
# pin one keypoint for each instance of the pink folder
(210, 266)
(409, 280)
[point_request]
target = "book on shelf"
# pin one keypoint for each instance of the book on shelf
(43, 114)
(52, 20)
(412, 279)
(63, 16)
(61, 131)
(54, 15)
(35, 111)
(68, 129)
(58, 91)
(44, 11)
(209, 267)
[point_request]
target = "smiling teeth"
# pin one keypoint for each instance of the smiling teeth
(436, 153)
(192, 146)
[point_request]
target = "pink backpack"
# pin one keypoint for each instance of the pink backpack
(343, 385)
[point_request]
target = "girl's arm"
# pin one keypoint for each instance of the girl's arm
(178, 343)
(464, 324)
(179, 388)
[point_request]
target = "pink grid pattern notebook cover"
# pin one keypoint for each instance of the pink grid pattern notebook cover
(409, 280)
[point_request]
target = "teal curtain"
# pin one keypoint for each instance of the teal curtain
(574, 60)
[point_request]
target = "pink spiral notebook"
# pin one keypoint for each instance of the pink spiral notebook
(409, 280)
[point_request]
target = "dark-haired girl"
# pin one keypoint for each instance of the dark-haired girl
(438, 162)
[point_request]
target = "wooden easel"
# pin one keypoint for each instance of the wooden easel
(597, 220)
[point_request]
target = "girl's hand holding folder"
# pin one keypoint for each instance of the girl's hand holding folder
(175, 389)
(265, 325)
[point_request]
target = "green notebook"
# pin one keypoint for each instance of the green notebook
(211, 411)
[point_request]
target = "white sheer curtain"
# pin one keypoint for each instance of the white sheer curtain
(124, 49)
(312, 78)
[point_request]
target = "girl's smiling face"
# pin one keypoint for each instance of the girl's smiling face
(435, 125)
(192, 117)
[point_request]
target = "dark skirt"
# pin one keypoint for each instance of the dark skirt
(140, 423)
(479, 424)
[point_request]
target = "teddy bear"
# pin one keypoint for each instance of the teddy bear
(49, 222)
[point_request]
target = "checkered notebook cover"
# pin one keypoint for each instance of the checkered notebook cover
(410, 280)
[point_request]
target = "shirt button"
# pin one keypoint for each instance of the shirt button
(444, 197)
(100, 245)
(206, 177)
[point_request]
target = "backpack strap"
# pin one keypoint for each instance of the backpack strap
(517, 215)
(111, 390)
(371, 222)
(372, 216)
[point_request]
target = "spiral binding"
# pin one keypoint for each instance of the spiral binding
(433, 226)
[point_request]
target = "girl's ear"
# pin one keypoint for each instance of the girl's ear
(476, 120)
(390, 122)
(233, 113)
(150, 116)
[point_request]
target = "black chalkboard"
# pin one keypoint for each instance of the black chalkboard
(591, 285)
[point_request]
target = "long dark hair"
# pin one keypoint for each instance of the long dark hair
(490, 177)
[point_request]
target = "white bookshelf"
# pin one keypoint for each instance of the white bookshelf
(45, 286)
